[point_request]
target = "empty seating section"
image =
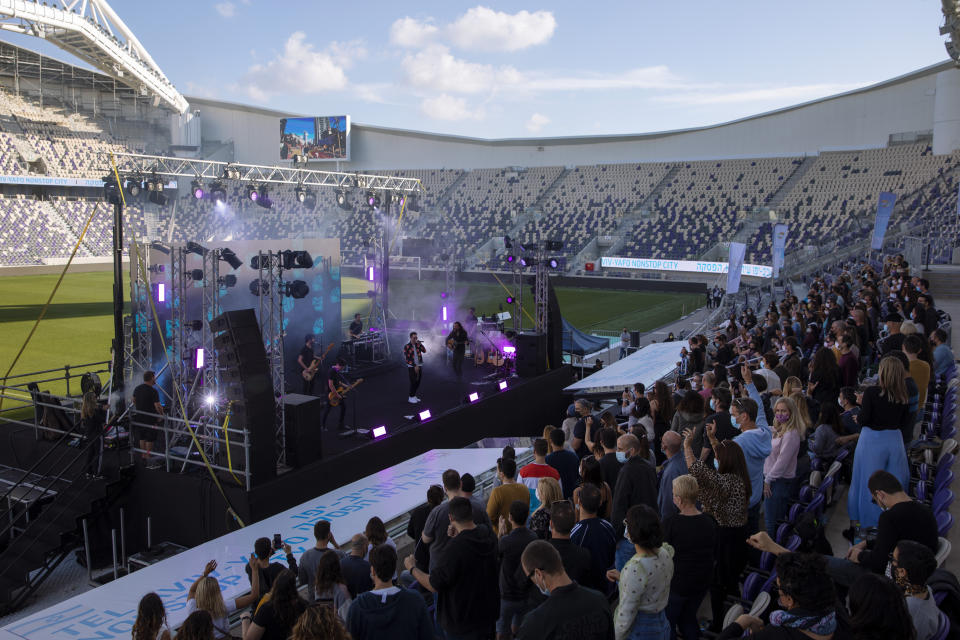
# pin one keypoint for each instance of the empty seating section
(673, 210)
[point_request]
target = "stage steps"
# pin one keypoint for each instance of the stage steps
(56, 505)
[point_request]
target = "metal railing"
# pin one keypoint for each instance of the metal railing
(69, 372)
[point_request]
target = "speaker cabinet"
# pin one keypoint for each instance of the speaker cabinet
(531, 354)
(303, 434)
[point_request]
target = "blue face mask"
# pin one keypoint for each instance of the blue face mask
(621, 457)
(733, 422)
(716, 464)
(711, 405)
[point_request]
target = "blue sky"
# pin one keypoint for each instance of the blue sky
(518, 69)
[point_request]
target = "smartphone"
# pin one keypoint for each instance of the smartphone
(277, 541)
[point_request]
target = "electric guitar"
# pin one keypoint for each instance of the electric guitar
(311, 371)
(342, 390)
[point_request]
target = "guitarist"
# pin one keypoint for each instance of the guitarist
(334, 381)
(457, 341)
(305, 360)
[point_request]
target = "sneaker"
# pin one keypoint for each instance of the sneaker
(413, 400)
(417, 399)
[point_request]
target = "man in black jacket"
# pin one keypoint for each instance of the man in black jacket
(577, 563)
(468, 602)
(514, 584)
(609, 465)
(636, 484)
(570, 610)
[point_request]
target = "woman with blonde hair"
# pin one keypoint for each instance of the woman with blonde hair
(319, 623)
(548, 491)
(205, 595)
(780, 467)
(803, 412)
(93, 418)
(791, 385)
(884, 416)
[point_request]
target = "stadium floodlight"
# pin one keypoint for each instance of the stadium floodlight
(252, 192)
(197, 188)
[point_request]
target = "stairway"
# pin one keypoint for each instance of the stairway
(57, 220)
(944, 280)
(799, 171)
(445, 196)
(665, 182)
(37, 546)
(539, 202)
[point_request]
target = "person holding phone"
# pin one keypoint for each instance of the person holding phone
(263, 548)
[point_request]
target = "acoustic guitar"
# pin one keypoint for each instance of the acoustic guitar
(334, 399)
(311, 371)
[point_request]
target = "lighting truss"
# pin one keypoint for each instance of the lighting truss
(270, 271)
(92, 31)
(209, 170)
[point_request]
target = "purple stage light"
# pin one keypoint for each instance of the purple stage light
(370, 274)
(199, 358)
(198, 193)
(509, 349)
(379, 432)
(444, 313)
(424, 415)
(473, 397)
(510, 299)
(502, 385)
(161, 292)
(510, 258)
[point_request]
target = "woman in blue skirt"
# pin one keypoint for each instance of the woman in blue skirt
(884, 414)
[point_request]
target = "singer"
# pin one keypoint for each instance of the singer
(413, 354)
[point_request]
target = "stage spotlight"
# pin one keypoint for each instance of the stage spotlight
(396, 198)
(231, 173)
(197, 188)
(111, 193)
(259, 287)
(511, 299)
(264, 200)
(218, 192)
(341, 198)
(228, 256)
(158, 198)
(297, 289)
(444, 257)
(444, 313)
(502, 385)
(509, 350)
(359, 182)
(473, 397)
(370, 274)
(510, 258)
(310, 201)
(554, 245)
(252, 192)
(193, 247)
(444, 295)
(228, 281)
(198, 358)
(161, 292)
(424, 415)
(296, 260)
(412, 204)
(553, 263)
(373, 199)
(197, 274)
(210, 399)
(528, 246)
(133, 186)
(378, 432)
(300, 194)
(528, 262)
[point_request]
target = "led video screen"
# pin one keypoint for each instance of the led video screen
(324, 138)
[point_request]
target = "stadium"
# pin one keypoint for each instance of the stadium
(279, 372)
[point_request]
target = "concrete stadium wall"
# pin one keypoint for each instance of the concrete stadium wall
(923, 101)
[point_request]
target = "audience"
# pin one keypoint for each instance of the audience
(438, 522)
(576, 560)
(911, 566)
(531, 474)
(263, 549)
(418, 517)
(329, 586)
(565, 461)
(609, 465)
(355, 567)
(274, 619)
(498, 506)
(514, 584)
(205, 595)
(596, 535)
(943, 360)
(878, 610)
(307, 572)
(636, 484)
(674, 466)
(151, 621)
(387, 611)
(548, 493)
(320, 623)
(197, 626)
(780, 467)
(593, 475)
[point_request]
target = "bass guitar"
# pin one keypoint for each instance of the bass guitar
(311, 371)
(342, 390)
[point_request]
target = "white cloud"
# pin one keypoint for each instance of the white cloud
(484, 29)
(658, 77)
(537, 122)
(447, 107)
(300, 69)
(226, 9)
(789, 95)
(437, 69)
(411, 33)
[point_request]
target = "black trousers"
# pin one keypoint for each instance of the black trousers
(343, 413)
(458, 355)
(415, 374)
(94, 447)
(308, 384)
(730, 562)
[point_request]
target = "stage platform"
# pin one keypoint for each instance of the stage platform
(109, 611)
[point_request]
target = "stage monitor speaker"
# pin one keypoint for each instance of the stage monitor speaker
(531, 354)
(303, 435)
(634, 339)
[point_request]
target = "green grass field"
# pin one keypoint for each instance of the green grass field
(78, 326)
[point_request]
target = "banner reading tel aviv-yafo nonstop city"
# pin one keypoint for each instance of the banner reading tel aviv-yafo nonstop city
(49, 181)
(693, 266)
(108, 612)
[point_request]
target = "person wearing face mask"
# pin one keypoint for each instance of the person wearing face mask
(780, 467)
(674, 467)
(644, 582)
(568, 605)
(911, 568)
(636, 484)
(808, 600)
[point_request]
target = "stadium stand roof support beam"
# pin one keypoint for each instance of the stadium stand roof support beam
(208, 170)
(92, 31)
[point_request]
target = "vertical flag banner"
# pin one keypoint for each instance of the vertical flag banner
(779, 247)
(884, 210)
(958, 201)
(738, 251)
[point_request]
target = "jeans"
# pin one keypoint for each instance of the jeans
(625, 551)
(843, 571)
(416, 375)
(682, 612)
(511, 615)
(775, 507)
(623, 353)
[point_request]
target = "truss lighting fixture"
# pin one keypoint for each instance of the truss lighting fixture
(259, 287)
(528, 262)
(412, 203)
(554, 245)
(193, 247)
(297, 289)
(133, 186)
(528, 246)
(373, 199)
(194, 325)
(218, 192)
(198, 359)
(228, 256)
(553, 263)
(111, 192)
(511, 299)
(228, 281)
(507, 242)
(510, 258)
(196, 187)
(396, 198)
(444, 313)
(473, 397)
(230, 172)
(158, 198)
(297, 260)
(252, 192)
(161, 292)
(264, 199)
(210, 399)
(197, 275)
(300, 193)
